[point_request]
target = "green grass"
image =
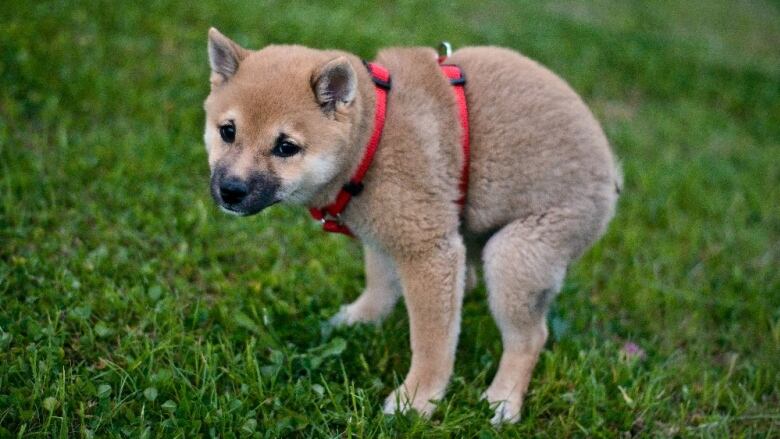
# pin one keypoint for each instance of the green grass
(130, 306)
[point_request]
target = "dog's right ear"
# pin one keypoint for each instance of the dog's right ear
(224, 57)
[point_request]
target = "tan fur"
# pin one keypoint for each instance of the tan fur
(543, 186)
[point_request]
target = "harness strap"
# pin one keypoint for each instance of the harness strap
(330, 214)
(458, 81)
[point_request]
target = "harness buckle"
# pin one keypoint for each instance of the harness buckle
(378, 81)
(329, 218)
(353, 188)
(381, 83)
(458, 81)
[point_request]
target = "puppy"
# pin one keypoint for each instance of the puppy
(291, 124)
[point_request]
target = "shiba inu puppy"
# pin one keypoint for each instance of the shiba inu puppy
(290, 124)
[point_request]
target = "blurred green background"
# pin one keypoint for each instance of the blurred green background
(131, 307)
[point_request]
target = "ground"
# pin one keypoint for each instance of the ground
(130, 306)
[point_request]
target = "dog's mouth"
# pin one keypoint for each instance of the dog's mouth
(239, 210)
(231, 211)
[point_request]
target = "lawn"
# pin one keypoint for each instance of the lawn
(130, 306)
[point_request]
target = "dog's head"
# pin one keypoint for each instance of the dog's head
(280, 122)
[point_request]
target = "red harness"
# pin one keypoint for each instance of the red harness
(330, 215)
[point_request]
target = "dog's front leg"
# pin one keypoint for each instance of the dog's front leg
(432, 282)
(380, 296)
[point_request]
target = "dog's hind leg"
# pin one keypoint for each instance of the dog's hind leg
(380, 296)
(524, 268)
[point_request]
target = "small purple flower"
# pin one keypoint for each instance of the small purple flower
(631, 350)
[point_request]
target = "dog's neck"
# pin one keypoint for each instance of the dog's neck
(362, 114)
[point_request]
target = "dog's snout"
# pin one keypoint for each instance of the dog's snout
(233, 190)
(243, 195)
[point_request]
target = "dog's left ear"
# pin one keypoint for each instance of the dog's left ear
(335, 83)
(224, 57)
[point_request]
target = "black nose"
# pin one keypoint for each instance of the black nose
(233, 190)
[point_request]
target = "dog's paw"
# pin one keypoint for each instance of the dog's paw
(399, 402)
(347, 316)
(506, 411)
(342, 317)
(353, 314)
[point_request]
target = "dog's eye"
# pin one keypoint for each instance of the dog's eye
(228, 132)
(285, 148)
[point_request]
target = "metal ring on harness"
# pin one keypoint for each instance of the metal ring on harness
(445, 50)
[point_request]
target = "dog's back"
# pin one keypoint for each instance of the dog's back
(536, 149)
